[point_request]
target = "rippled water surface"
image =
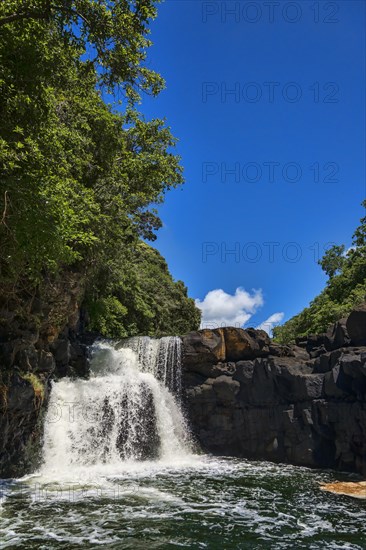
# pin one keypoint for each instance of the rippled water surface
(100, 485)
(202, 502)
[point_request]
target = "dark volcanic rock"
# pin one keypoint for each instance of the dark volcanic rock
(29, 358)
(20, 424)
(337, 336)
(46, 362)
(315, 342)
(303, 404)
(245, 344)
(205, 347)
(356, 326)
(61, 350)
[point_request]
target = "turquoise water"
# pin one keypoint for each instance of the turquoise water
(203, 502)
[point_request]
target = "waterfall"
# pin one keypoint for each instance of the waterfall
(162, 358)
(129, 409)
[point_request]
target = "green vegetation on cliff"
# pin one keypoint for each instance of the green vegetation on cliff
(79, 176)
(142, 298)
(346, 287)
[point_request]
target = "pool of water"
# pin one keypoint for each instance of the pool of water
(200, 502)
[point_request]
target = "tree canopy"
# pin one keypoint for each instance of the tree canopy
(113, 35)
(79, 177)
(141, 298)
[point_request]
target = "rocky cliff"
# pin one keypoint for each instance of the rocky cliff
(246, 396)
(37, 344)
(304, 404)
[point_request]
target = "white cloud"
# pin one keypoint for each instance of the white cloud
(271, 322)
(220, 309)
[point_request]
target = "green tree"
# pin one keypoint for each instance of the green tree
(333, 260)
(138, 296)
(113, 33)
(79, 177)
(345, 289)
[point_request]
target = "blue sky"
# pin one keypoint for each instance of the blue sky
(277, 98)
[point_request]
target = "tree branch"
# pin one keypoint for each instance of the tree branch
(5, 209)
(38, 15)
(61, 8)
(20, 16)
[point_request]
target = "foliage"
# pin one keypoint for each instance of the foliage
(142, 298)
(78, 177)
(37, 385)
(333, 260)
(345, 288)
(115, 33)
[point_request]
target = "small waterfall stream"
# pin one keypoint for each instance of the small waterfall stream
(129, 409)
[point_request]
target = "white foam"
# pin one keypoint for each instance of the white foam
(129, 408)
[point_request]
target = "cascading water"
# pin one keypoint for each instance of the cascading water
(129, 410)
(119, 472)
(162, 358)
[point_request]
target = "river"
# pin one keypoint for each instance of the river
(120, 470)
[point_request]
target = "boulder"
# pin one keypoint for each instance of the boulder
(354, 366)
(317, 352)
(203, 348)
(322, 363)
(301, 341)
(79, 360)
(243, 344)
(262, 339)
(220, 369)
(315, 342)
(258, 383)
(337, 336)
(356, 326)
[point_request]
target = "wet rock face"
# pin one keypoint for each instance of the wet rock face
(303, 404)
(26, 370)
(22, 408)
(31, 354)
